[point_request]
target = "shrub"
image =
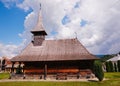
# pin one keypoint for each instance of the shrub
(107, 66)
(98, 70)
(115, 66)
(19, 70)
(3, 64)
(118, 64)
(111, 66)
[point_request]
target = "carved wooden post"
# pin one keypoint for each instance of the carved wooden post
(45, 72)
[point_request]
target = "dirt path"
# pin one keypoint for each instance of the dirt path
(36, 80)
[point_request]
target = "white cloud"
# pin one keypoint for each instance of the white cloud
(29, 4)
(11, 50)
(10, 3)
(103, 19)
(8, 50)
(99, 35)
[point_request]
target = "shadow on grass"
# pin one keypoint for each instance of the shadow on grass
(93, 80)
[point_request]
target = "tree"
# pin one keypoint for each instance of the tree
(98, 70)
(106, 57)
(3, 64)
(107, 66)
(111, 66)
(118, 64)
(115, 66)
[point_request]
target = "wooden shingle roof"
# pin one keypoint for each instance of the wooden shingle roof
(55, 50)
(39, 26)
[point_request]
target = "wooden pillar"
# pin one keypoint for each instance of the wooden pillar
(45, 71)
(19, 65)
(20, 70)
(23, 67)
(12, 69)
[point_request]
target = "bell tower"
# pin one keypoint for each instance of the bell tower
(38, 32)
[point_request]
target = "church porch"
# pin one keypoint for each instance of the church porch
(58, 69)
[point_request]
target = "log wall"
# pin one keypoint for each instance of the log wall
(58, 67)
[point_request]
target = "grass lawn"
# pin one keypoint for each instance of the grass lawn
(4, 76)
(114, 75)
(113, 80)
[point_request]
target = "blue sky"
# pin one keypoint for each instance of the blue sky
(11, 24)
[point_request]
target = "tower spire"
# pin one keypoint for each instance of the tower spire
(39, 26)
(38, 31)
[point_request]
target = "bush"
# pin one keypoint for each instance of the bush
(107, 66)
(19, 70)
(3, 64)
(98, 70)
(118, 64)
(111, 66)
(115, 66)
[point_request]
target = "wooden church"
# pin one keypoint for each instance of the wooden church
(54, 58)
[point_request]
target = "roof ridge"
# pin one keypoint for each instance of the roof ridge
(61, 39)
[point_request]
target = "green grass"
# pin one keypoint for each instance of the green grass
(113, 79)
(104, 83)
(112, 75)
(4, 76)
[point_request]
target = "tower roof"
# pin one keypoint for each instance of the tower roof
(39, 26)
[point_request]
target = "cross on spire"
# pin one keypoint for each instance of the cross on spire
(40, 6)
(75, 35)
